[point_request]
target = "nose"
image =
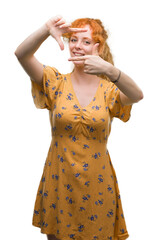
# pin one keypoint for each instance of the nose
(78, 45)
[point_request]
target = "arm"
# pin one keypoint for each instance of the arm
(129, 91)
(25, 54)
(55, 27)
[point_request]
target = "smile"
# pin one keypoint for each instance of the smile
(78, 54)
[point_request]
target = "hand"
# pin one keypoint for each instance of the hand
(57, 26)
(93, 64)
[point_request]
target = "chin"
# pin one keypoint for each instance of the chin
(79, 64)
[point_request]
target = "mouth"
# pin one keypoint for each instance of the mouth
(78, 54)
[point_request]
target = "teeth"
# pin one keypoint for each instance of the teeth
(78, 54)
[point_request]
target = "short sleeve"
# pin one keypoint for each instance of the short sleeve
(115, 106)
(43, 96)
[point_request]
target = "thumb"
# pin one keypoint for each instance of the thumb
(61, 44)
(95, 49)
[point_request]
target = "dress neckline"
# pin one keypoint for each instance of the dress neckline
(72, 88)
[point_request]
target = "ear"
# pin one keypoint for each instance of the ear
(95, 49)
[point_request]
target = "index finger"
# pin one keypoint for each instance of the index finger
(78, 29)
(78, 58)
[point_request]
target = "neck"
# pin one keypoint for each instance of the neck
(80, 77)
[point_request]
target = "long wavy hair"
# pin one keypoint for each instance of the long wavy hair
(99, 35)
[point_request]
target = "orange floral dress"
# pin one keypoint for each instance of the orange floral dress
(78, 196)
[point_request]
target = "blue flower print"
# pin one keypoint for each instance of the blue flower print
(100, 179)
(85, 146)
(96, 107)
(85, 198)
(61, 158)
(69, 200)
(59, 115)
(53, 206)
(73, 138)
(81, 228)
(110, 213)
(76, 108)
(96, 155)
(68, 127)
(110, 189)
(69, 187)
(44, 224)
(45, 195)
(36, 212)
(93, 217)
(85, 166)
(72, 236)
(82, 209)
(91, 129)
(70, 96)
(55, 176)
(122, 230)
(43, 179)
(95, 237)
(47, 83)
(99, 202)
(58, 221)
(77, 175)
(44, 210)
(87, 183)
(61, 211)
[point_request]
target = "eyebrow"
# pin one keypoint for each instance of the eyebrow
(83, 38)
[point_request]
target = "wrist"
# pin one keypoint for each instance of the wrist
(113, 73)
(45, 31)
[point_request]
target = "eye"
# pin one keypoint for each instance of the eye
(73, 39)
(87, 42)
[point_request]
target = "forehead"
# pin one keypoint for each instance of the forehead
(87, 34)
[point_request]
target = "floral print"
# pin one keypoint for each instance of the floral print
(78, 196)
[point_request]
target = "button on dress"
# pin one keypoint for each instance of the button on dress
(78, 196)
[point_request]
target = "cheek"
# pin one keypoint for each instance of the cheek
(70, 51)
(70, 47)
(89, 49)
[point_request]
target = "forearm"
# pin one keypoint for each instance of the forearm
(30, 45)
(125, 84)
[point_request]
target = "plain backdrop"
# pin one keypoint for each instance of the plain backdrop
(25, 130)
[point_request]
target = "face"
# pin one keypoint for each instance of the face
(81, 44)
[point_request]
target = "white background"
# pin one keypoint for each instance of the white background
(25, 131)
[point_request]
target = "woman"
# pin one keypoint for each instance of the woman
(78, 196)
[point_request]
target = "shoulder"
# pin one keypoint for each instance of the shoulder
(54, 73)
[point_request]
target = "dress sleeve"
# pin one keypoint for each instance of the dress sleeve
(43, 96)
(116, 109)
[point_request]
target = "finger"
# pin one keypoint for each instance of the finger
(78, 30)
(60, 22)
(77, 58)
(61, 44)
(57, 18)
(66, 25)
(95, 49)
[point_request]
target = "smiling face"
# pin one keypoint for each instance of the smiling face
(81, 44)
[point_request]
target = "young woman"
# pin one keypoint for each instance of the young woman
(78, 195)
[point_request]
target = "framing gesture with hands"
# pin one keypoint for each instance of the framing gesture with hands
(93, 64)
(57, 26)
